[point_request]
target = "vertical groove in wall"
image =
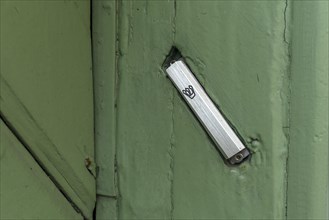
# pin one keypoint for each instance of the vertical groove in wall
(172, 135)
(172, 157)
(117, 55)
(287, 92)
(174, 22)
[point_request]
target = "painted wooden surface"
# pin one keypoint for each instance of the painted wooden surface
(104, 46)
(168, 167)
(104, 38)
(249, 56)
(46, 89)
(308, 191)
(26, 191)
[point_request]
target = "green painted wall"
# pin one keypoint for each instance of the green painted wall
(264, 63)
(251, 56)
(26, 191)
(168, 167)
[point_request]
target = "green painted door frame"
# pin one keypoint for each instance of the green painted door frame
(47, 103)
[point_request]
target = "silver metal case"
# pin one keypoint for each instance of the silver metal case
(212, 120)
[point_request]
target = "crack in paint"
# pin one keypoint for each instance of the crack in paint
(171, 155)
(287, 87)
(172, 132)
(174, 22)
(117, 85)
(285, 22)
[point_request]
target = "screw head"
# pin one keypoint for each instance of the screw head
(238, 157)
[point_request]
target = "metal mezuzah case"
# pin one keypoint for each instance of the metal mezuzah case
(212, 120)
